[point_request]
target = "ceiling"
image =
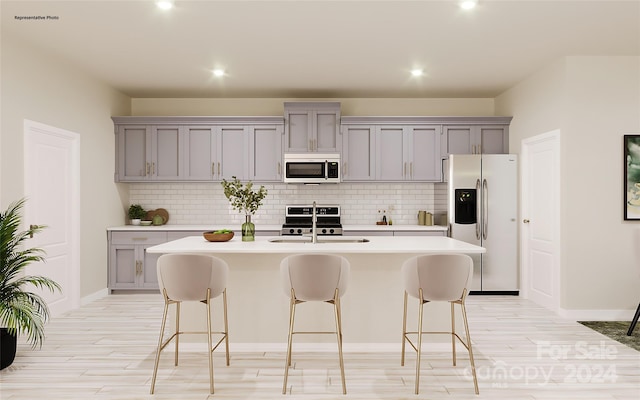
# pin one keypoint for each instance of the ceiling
(322, 48)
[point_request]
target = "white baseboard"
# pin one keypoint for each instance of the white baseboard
(597, 315)
(94, 296)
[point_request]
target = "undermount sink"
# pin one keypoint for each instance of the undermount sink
(326, 239)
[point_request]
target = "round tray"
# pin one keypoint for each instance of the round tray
(217, 237)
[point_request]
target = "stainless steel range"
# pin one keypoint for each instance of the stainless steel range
(299, 221)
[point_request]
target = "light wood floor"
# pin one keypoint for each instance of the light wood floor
(105, 350)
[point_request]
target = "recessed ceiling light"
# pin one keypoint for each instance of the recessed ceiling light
(468, 4)
(165, 4)
(417, 72)
(218, 72)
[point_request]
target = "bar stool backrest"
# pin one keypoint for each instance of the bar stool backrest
(314, 277)
(442, 277)
(186, 277)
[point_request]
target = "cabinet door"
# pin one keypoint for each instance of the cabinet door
(298, 127)
(148, 274)
(358, 153)
(423, 153)
(494, 139)
(200, 147)
(123, 267)
(460, 139)
(232, 152)
(325, 131)
(134, 150)
(266, 163)
(166, 158)
(390, 145)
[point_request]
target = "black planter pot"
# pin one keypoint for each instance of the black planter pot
(8, 345)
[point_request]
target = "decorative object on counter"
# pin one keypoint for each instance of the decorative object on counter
(383, 220)
(145, 222)
(425, 218)
(244, 199)
(21, 311)
(161, 212)
(222, 235)
(136, 213)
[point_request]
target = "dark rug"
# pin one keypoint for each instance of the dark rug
(616, 330)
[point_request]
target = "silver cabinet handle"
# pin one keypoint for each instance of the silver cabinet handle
(147, 172)
(526, 221)
(344, 168)
(404, 173)
(218, 168)
(279, 168)
(485, 209)
(411, 169)
(213, 169)
(139, 238)
(153, 168)
(477, 210)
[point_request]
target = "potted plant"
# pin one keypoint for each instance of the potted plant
(136, 213)
(21, 311)
(244, 199)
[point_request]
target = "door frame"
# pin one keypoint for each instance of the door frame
(30, 128)
(554, 138)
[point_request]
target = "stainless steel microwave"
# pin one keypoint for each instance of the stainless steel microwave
(311, 168)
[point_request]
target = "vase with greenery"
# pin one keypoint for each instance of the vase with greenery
(136, 213)
(21, 310)
(244, 199)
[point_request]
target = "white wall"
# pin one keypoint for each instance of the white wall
(46, 89)
(593, 101)
(351, 107)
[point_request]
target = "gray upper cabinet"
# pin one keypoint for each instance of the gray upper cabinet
(266, 161)
(358, 152)
(233, 158)
(201, 145)
(198, 148)
(391, 149)
(312, 127)
(476, 139)
(408, 153)
(148, 152)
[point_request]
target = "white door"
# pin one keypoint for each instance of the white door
(540, 256)
(52, 177)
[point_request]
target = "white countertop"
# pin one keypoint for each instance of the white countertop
(260, 227)
(376, 244)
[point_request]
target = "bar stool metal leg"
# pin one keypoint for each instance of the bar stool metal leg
(634, 322)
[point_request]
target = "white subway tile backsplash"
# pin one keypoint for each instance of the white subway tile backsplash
(205, 203)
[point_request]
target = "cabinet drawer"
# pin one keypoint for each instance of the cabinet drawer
(138, 237)
(419, 233)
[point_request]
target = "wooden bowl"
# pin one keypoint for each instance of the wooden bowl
(217, 237)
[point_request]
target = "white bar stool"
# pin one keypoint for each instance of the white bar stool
(314, 277)
(192, 277)
(438, 277)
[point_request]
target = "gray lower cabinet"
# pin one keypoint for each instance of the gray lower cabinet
(130, 266)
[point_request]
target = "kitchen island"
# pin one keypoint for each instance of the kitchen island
(371, 307)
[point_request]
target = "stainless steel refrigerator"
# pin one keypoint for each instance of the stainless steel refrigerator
(483, 197)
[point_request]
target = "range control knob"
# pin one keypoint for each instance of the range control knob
(291, 231)
(299, 231)
(324, 231)
(331, 231)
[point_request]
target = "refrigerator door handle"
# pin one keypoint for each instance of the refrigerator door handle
(478, 221)
(485, 209)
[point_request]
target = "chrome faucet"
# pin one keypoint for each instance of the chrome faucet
(314, 231)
